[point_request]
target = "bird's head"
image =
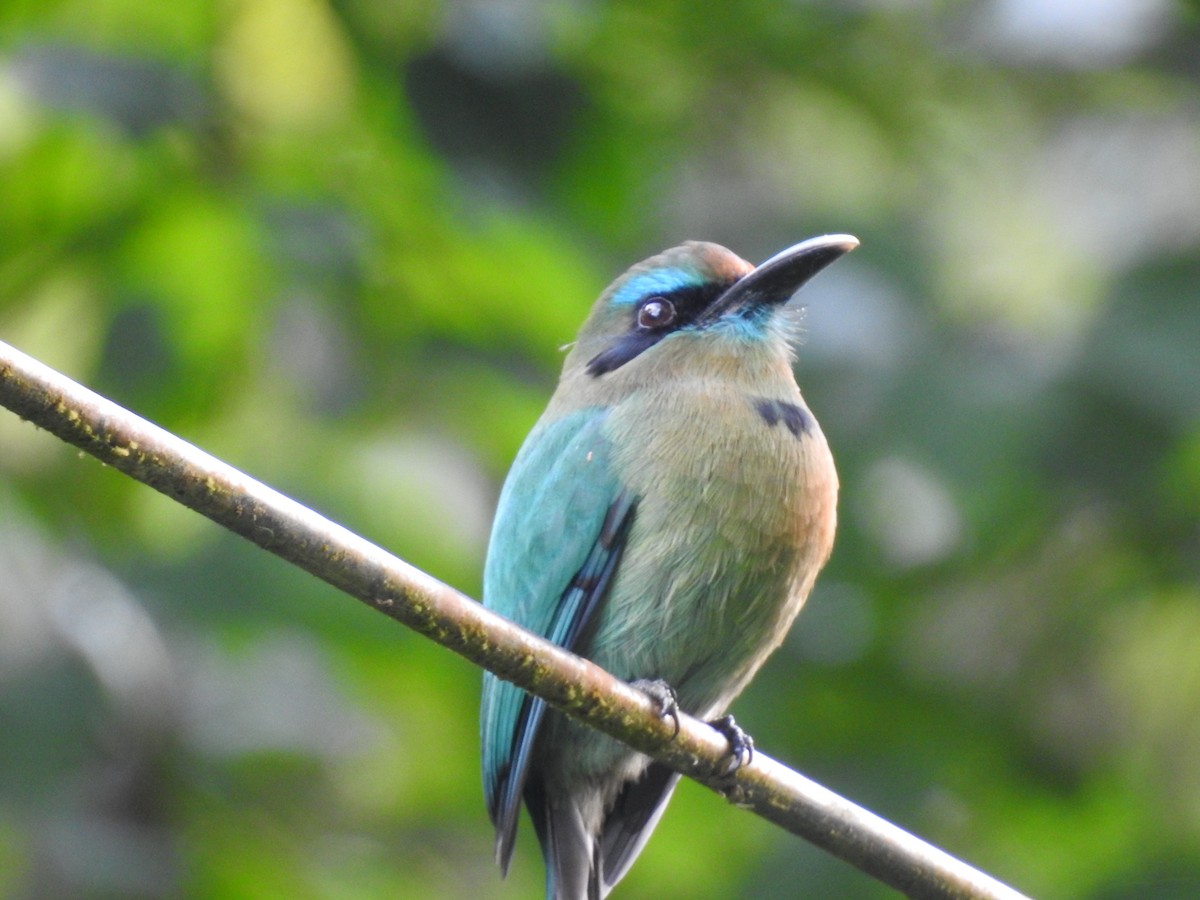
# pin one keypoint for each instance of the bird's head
(695, 292)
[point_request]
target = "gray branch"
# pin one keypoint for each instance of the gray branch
(235, 501)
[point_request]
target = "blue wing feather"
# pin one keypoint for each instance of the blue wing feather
(558, 534)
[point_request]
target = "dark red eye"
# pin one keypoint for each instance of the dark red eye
(657, 312)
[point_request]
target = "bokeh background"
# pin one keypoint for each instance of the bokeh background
(340, 243)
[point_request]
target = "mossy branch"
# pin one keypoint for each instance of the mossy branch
(235, 501)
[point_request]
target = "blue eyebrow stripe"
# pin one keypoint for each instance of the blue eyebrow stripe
(659, 281)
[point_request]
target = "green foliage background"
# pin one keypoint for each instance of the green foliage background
(339, 243)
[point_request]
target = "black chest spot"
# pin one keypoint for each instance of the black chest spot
(794, 418)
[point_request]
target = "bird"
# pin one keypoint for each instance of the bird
(665, 518)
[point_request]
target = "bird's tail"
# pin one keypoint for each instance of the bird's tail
(571, 852)
(584, 865)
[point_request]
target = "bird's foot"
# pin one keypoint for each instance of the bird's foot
(666, 698)
(741, 745)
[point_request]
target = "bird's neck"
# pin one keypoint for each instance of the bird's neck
(762, 367)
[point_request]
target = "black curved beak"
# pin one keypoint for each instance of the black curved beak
(776, 280)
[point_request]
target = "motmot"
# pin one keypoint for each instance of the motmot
(665, 518)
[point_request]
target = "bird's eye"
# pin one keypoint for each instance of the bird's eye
(657, 312)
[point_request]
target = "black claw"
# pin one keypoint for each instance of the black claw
(666, 698)
(741, 745)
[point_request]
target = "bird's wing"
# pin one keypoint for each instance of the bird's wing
(560, 529)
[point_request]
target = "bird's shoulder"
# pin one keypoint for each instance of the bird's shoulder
(551, 510)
